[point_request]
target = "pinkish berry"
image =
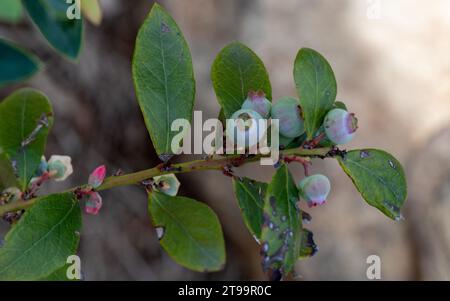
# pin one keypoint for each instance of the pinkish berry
(94, 203)
(258, 102)
(97, 177)
(314, 189)
(340, 126)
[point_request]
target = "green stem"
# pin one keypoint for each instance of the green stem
(186, 167)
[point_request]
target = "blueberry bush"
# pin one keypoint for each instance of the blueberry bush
(45, 229)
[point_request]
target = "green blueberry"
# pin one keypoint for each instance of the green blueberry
(340, 126)
(244, 127)
(287, 110)
(314, 189)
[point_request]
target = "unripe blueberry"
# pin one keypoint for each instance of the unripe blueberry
(167, 184)
(245, 124)
(314, 189)
(60, 167)
(288, 111)
(258, 102)
(43, 167)
(340, 126)
(12, 194)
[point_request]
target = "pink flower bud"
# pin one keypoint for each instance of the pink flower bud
(97, 176)
(94, 203)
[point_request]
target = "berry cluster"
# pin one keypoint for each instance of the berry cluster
(339, 127)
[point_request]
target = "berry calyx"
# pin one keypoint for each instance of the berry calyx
(258, 102)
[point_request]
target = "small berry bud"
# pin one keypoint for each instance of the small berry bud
(258, 102)
(340, 126)
(167, 184)
(287, 110)
(245, 124)
(97, 177)
(314, 189)
(12, 194)
(60, 167)
(42, 168)
(94, 203)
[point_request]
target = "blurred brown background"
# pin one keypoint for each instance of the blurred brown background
(391, 60)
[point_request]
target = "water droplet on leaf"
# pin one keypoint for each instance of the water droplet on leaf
(364, 154)
(164, 27)
(391, 164)
(160, 232)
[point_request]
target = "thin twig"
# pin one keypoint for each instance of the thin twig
(219, 164)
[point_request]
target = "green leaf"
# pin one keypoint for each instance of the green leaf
(308, 247)
(50, 16)
(41, 241)
(7, 176)
(290, 143)
(163, 77)
(281, 232)
(10, 11)
(222, 118)
(59, 275)
(250, 195)
(16, 64)
(316, 87)
(379, 177)
(26, 117)
(236, 71)
(340, 105)
(189, 231)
